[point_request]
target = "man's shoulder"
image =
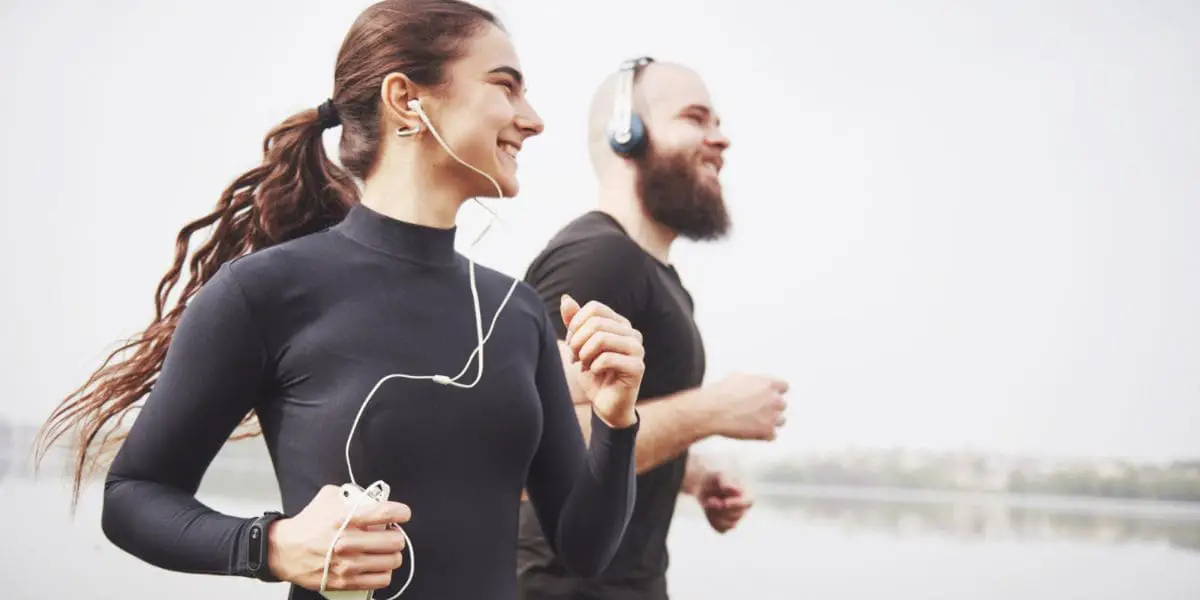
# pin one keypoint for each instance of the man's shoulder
(592, 241)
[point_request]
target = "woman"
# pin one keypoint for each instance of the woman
(306, 303)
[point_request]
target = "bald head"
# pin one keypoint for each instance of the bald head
(663, 92)
(674, 184)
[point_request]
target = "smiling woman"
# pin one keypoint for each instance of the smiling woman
(306, 301)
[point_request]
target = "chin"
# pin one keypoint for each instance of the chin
(506, 179)
(508, 186)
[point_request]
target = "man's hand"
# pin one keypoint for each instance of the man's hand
(724, 501)
(751, 406)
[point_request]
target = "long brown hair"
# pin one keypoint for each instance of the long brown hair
(296, 190)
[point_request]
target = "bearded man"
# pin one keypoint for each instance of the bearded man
(657, 148)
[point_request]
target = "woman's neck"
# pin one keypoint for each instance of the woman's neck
(411, 194)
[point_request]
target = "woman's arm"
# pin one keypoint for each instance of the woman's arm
(211, 376)
(583, 495)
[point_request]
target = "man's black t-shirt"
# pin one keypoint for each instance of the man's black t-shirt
(593, 258)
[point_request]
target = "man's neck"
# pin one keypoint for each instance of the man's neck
(626, 208)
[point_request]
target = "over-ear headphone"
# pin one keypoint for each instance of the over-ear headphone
(626, 130)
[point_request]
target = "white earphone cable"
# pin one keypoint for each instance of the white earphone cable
(381, 488)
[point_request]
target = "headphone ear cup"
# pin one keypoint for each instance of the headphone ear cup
(637, 139)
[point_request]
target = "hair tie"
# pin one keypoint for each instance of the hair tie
(327, 115)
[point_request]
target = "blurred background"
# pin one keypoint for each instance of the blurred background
(962, 232)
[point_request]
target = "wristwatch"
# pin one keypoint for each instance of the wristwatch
(256, 547)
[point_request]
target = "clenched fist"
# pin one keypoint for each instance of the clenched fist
(609, 355)
(364, 557)
(751, 406)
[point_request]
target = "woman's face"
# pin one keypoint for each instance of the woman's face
(483, 114)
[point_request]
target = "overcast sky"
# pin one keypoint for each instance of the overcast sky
(957, 225)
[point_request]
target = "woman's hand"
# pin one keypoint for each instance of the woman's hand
(609, 354)
(366, 553)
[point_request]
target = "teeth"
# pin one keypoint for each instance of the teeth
(510, 150)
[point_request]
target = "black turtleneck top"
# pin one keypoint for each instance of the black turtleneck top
(300, 333)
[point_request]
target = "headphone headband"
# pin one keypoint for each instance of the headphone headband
(627, 132)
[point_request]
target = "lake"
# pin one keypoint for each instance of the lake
(826, 544)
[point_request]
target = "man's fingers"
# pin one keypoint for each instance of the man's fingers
(738, 503)
(731, 489)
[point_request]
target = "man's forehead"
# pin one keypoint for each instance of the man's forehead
(667, 86)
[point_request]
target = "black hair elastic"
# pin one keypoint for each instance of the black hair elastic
(327, 115)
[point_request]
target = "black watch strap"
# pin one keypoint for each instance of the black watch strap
(255, 545)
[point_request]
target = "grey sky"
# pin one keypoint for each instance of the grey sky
(955, 226)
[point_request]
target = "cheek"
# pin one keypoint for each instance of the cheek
(499, 114)
(482, 123)
(676, 139)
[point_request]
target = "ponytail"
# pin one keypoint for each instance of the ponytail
(296, 190)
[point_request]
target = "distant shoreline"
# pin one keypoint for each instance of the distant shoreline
(1177, 481)
(858, 474)
(1103, 505)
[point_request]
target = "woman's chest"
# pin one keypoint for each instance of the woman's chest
(366, 364)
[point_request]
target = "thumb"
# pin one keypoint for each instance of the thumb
(779, 385)
(568, 307)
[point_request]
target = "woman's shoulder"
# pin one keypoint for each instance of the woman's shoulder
(267, 276)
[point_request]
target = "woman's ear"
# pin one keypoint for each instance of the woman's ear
(397, 93)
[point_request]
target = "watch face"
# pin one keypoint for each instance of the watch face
(255, 554)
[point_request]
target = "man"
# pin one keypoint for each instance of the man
(618, 255)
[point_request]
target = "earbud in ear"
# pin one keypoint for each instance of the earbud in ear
(414, 104)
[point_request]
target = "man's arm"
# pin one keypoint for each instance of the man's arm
(610, 269)
(745, 407)
(669, 425)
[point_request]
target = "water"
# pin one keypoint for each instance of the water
(798, 544)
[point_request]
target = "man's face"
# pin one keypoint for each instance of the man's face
(678, 174)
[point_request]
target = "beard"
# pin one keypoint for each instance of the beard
(678, 196)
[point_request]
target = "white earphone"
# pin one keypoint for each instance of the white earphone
(380, 489)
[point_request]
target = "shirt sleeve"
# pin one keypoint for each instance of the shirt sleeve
(209, 381)
(583, 495)
(607, 269)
